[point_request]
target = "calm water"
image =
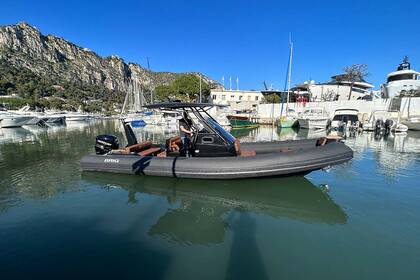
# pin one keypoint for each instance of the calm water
(360, 220)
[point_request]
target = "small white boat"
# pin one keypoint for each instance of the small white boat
(345, 119)
(13, 120)
(314, 118)
(382, 120)
(76, 116)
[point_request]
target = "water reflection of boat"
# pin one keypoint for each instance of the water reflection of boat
(264, 134)
(244, 132)
(393, 151)
(287, 133)
(311, 133)
(16, 134)
(199, 209)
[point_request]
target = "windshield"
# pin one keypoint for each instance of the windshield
(346, 118)
(226, 135)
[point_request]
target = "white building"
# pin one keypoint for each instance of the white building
(247, 98)
(403, 82)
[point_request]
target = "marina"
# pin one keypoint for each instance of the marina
(175, 227)
(226, 140)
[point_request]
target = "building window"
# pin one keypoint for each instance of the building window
(240, 97)
(232, 97)
(256, 98)
(223, 97)
(214, 96)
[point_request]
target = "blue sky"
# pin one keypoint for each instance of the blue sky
(248, 39)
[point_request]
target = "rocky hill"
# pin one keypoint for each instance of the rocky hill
(23, 46)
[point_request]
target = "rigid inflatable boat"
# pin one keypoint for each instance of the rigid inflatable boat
(214, 153)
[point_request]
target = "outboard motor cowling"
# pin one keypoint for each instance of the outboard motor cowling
(105, 143)
(379, 125)
(389, 124)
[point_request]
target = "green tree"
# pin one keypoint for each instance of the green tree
(185, 88)
(272, 98)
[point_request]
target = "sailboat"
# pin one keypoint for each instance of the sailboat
(133, 102)
(289, 120)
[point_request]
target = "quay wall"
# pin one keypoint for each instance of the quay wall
(408, 106)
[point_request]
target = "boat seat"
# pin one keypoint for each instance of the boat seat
(324, 140)
(243, 153)
(119, 152)
(150, 151)
(237, 146)
(136, 148)
(173, 143)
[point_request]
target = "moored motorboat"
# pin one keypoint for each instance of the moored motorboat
(215, 154)
(314, 118)
(345, 119)
(383, 120)
(13, 120)
(243, 118)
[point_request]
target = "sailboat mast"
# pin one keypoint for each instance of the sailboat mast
(125, 100)
(289, 76)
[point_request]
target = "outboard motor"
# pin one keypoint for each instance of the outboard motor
(388, 125)
(379, 125)
(105, 143)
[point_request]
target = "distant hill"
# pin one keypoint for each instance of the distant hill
(51, 64)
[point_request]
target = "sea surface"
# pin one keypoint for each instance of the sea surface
(359, 220)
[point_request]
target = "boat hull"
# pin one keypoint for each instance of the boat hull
(313, 123)
(239, 122)
(301, 157)
(412, 125)
(287, 123)
(14, 121)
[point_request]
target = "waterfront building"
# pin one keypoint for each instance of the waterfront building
(403, 82)
(243, 99)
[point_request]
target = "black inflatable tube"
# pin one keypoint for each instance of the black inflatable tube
(303, 158)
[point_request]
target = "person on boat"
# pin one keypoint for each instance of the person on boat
(185, 133)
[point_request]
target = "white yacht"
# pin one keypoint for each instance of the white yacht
(40, 117)
(57, 116)
(314, 118)
(402, 82)
(13, 120)
(385, 120)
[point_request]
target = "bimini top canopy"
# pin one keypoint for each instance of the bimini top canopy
(182, 106)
